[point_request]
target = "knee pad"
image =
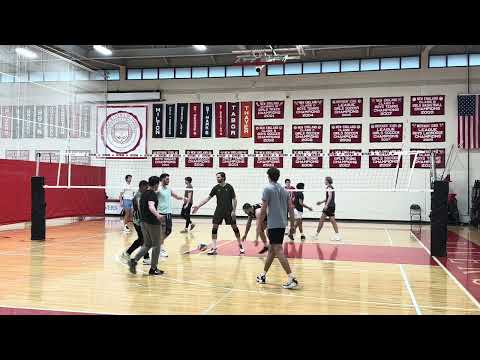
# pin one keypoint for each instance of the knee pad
(214, 231)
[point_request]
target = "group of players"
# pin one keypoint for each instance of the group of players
(152, 217)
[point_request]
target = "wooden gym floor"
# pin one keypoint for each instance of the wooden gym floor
(376, 269)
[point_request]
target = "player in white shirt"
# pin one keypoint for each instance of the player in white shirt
(126, 201)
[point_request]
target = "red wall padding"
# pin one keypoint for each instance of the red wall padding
(15, 197)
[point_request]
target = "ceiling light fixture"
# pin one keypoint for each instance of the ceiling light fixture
(200, 47)
(27, 53)
(103, 50)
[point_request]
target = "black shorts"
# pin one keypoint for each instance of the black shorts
(275, 236)
(166, 224)
(219, 217)
(330, 211)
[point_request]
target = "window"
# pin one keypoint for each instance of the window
(150, 74)
(293, 68)
(199, 72)
(250, 70)
(53, 76)
(234, 71)
(65, 76)
(183, 73)
(80, 75)
(134, 74)
(474, 59)
(350, 65)
(390, 63)
(410, 62)
(216, 71)
(166, 73)
(38, 76)
(437, 61)
(312, 68)
(330, 66)
(369, 64)
(112, 74)
(275, 69)
(97, 75)
(7, 78)
(457, 60)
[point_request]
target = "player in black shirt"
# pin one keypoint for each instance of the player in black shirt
(329, 209)
(225, 210)
(253, 212)
(298, 211)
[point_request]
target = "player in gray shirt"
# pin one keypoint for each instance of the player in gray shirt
(277, 200)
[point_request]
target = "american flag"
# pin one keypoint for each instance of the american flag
(468, 134)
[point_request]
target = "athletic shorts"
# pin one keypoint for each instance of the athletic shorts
(166, 224)
(298, 214)
(127, 204)
(219, 217)
(275, 236)
(329, 212)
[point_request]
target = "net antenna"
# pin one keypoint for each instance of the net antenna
(451, 159)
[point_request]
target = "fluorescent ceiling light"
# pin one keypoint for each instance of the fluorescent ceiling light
(200, 47)
(103, 50)
(26, 53)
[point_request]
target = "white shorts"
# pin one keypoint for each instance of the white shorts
(298, 214)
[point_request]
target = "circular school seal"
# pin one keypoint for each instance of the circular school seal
(121, 132)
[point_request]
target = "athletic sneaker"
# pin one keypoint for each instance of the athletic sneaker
(202, 247)
(212, 252)
(290, 236)
(264, 250)
(302, 238)
(291, 284)
(125, 257)
(132, 264)
(242, 251)
(184, 231)
(126, 228)
(261, 279)
(163, 253)
(192, 226)
(337, 237)
(155, 272)
(147, 261)
(315, 236)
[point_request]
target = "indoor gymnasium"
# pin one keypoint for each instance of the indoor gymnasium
(240, 180)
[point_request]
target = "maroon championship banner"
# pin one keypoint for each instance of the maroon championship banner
(49, 156)
(195, 120)
(6, 122)
(233, 158)
(52, 121)
(386, 106)
(346, 133)
(39, 121)
(268, 158)
(342, 108)
(345, 159)
(220, 119)
(428, 132)
(387, 132)
(199, 158)
(383, 158)
(28, 128)
(165, 158)
(427, 105)
(17, 155)
(423, 160)
(307, 133)
(305, 159)
(233, 120)
(269, 134)
(246, 119)
(306, 109)
(75, 121)
(79, 157)
(85, 123)
(269, 109)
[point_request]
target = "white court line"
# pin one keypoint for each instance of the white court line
(206, 311)
(459, 284)
(410, 291)
(388, 235)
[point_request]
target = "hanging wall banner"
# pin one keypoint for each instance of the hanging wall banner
(165, 158)
(220, 120)
(17, 155)
(342, 108)
(6, 121)
(386, 106)
(199, 158)
(207, 120)
(268, 134)
(182, 120)
(170, 121)
(48, 156)
(233, 158)
(40, 121)
(17, 122)
(387, 132)
(51, 121)
(268, 158)
(157, 120)
(345, 159)
(307, 133)
(233, 122)
(424, 160)
(346, 133)
(28, 113)
(79, 157)
(121, 129)
(427, 105)
(306, 109)
(269, 109)
(427, 132)
(383, 158)
(194, 120)
(246, 119)
(86, 117)
(62, 121)
(306, 159)
(76, 121)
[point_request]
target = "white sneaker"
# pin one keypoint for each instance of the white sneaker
(337, 237)
(126, 229)
(147, 261)
(291, 284)
(163, 253)
(125, 257)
